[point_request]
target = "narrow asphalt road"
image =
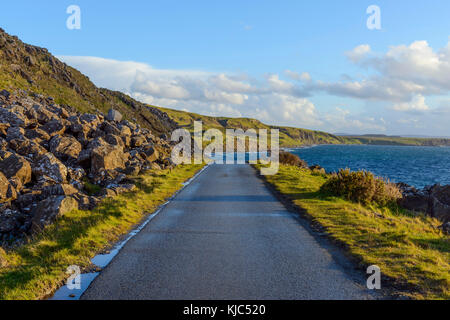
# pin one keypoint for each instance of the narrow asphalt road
(225, 236)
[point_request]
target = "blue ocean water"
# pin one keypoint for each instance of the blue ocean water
(417, 166)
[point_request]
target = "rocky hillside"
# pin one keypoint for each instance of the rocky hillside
(34, 69)
(54, 159)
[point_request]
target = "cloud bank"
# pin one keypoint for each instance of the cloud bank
(398, 81)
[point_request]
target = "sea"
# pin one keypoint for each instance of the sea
(416, 166)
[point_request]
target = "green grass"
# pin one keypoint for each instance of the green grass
(37, 269)
(410, 250)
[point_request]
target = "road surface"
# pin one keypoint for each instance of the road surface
(226, 237)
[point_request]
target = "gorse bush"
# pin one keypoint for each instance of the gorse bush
(288, 158)
(362, 187)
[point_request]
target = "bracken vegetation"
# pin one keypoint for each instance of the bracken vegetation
(292, 160)
(362, 187)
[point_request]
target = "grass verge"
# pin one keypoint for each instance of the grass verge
(413, 254)
(38, 268)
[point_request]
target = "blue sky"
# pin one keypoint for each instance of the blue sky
(283, 62)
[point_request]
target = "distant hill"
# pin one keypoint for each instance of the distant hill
(399, 141)
(289, 137)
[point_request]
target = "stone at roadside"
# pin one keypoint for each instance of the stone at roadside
(59, 190)
(107, 157)
(86, 202)
(48, 167)
(48, 210)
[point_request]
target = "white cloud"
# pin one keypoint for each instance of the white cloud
(358, 53)
(304, 76)
(417, 104)
(398, 75)
(401, 79)
(269, 99)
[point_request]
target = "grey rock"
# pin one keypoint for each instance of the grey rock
(48, 210)
(114, 115)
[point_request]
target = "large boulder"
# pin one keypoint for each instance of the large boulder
(65, 148)
(15, 133)
(17, 170)
(110, 128)
(440, 203)
(48, 167)
(86, 202)
(27, 148)
(114, 115)
(150, 153)
(48, 210)
(37, 133)
(54, 127)
(107, 157)
(58, 190)
(114, 140)
(417, 201)
(41, 114)
(13, 116)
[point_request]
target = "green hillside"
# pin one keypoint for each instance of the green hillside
(289, 137)
(399, 141)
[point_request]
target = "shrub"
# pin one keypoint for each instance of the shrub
(362, 187)
(292, 160)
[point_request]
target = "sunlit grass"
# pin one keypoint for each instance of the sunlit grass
(37, 269)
